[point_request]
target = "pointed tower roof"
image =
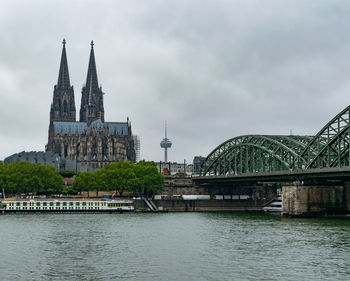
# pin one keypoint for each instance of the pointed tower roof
(63, 76)
(91, 80)
(90, 92)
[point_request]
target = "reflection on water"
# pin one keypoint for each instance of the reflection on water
(173, 246)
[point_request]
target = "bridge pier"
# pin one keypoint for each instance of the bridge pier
(316, 200)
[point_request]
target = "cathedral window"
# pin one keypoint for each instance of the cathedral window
(57, 148)
(65, 106)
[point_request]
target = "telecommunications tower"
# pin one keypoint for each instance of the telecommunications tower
(165, 143)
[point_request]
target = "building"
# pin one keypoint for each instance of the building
(48, 159)
(197, 162)
(91, 141)
(173, 168)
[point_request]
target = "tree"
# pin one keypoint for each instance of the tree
(84, 181)
(149, 180)
(67, 174)
(141, 178)
(120, 176)
(24, 177)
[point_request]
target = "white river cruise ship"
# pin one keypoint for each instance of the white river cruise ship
(19, 205)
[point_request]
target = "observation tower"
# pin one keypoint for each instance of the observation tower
(165, 143)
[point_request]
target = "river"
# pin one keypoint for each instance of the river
(173, 246)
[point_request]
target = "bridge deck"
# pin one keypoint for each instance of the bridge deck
(319, 174)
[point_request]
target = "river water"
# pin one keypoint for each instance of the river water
(173, 246)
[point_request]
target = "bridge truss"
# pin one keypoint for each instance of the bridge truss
(270, 153)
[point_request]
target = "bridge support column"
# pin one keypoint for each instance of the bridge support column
(317, 200)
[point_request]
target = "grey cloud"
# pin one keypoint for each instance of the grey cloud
(213, 69)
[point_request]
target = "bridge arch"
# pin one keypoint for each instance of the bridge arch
(254, 153)
(330, 146)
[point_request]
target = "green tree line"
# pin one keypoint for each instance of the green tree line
(139, 178)
(24, 177)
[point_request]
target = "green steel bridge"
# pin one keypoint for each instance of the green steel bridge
(270, 154)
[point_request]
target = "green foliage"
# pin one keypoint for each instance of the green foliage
(121, 177)
(140, 178)
(149, 180)
(24, 177)
(67, 174)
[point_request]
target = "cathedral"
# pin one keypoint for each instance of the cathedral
(91, 141)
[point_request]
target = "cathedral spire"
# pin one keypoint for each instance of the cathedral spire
(63, 76)
(63, 105)
(90, 92)
(92, 73)
(91, 106)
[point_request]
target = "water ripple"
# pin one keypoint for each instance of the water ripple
(174, 246)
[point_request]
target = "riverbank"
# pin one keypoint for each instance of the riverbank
(211, 205)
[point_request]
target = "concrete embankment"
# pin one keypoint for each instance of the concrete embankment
(231, 198)
(316, 200)
(178, 205)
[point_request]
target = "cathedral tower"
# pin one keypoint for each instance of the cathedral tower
(92, 141)
(92, 96)
(63, 105)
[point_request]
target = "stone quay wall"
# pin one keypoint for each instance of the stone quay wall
(316, 200)
(174, 187)
(212, 205)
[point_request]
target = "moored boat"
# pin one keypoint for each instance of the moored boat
(66, 206)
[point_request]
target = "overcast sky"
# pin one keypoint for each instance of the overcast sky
(213, 69)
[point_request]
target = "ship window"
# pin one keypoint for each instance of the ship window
(70, 203)
(84, 203)
(51, 203)
(64, 203)
(38, 204)
(45, 204)
(24, 203)
(18, 203)
(58, 204)
(77, 204)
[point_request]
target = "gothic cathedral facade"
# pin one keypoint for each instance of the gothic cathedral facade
(91, 141)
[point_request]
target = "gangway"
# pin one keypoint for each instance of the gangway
(150, 204)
